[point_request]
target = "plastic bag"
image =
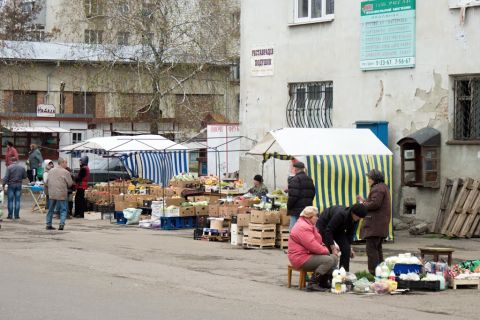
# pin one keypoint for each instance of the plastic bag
(2, 194)
(362, 286)
(132, 215)
(380, 287)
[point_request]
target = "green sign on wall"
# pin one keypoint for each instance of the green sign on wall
(387, 34)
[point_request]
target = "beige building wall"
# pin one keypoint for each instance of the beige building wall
(409, 99)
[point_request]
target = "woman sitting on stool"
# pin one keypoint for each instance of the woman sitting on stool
(306, 251)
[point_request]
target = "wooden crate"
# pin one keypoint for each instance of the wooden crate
(455, 283)
(260, 243)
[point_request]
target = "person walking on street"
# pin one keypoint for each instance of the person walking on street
(59, 180)
(376, 223)
(81, 185)
(11, 153)
(35, 161)
(337, 224)
(301, 192)
(13, 179)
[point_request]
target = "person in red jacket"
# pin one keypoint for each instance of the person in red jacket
(306, 250)
(11, 153)
(81, 185)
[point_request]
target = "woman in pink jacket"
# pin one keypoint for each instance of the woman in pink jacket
(306, 250)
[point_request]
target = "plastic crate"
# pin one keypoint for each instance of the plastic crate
(400, 268)
(120, 218)
(419, 285)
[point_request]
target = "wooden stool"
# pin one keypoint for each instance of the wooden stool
(301, 280)
(436, 253)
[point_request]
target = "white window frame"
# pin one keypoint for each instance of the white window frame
(324, 18)
(456, 4)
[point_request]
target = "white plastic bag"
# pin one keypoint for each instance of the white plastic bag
(132, 215)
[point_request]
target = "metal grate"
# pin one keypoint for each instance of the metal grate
(467, 109)
(310, 105)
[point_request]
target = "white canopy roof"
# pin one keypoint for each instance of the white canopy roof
(37, 129)
(126, 144)
(309, 141)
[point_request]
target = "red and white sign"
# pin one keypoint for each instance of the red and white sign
(46, 110)
(223, 142)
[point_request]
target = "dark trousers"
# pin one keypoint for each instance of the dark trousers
(80, 203)
(374, 252)
(343, 242)
(32, 175)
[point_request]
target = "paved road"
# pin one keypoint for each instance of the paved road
(94, 270)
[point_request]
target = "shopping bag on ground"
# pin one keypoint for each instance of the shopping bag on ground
(132, 215)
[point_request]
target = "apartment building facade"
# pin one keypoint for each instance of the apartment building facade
(326, 63)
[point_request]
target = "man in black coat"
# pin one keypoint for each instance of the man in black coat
(337, 224)
(301, 192)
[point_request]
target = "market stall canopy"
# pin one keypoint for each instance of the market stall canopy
(37, 129)
(125, 144)
(295, 142)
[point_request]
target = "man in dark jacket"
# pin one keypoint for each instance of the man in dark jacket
(13, 179)
(337, 224)
(301, 192)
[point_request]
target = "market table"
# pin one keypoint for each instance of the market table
(37, 199)
(436, 253)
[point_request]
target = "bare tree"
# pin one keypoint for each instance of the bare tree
(17, 19)
(170, 44)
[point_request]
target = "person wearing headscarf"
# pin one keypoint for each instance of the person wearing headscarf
(258, 189)
(377, 221)
(47, 166)
(306, 250)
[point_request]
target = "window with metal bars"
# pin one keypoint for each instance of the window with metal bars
(467, 109)
(310, 105)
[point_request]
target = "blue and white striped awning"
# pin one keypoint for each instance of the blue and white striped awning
(158, 167)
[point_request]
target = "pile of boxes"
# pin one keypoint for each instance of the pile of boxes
(261, 229)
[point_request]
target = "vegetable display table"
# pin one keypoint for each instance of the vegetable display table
(436, 253)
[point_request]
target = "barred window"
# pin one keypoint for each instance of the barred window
(467, 109)
(310, 105)
(93, 36)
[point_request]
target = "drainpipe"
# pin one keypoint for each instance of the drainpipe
(47, 96)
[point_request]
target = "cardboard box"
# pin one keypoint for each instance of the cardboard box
(174, 201)
(284, 219)
(219, 223)
(213, 210)
(130, 197)
(227, 211)
(118, 198)
(244, 210)
(246, 202)
(201, 210)
(243, 219)
(187, 212)
(172, 212)
(92, 215)
(265, 217)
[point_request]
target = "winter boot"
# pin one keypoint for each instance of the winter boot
(314, 283)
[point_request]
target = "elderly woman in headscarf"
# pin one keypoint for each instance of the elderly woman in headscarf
(377, 220)
(306, 251)
(259, 189)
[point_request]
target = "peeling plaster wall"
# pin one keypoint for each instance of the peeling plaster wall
(409, 99)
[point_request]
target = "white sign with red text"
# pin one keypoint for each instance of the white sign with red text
(46, 110)
(223, 142)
